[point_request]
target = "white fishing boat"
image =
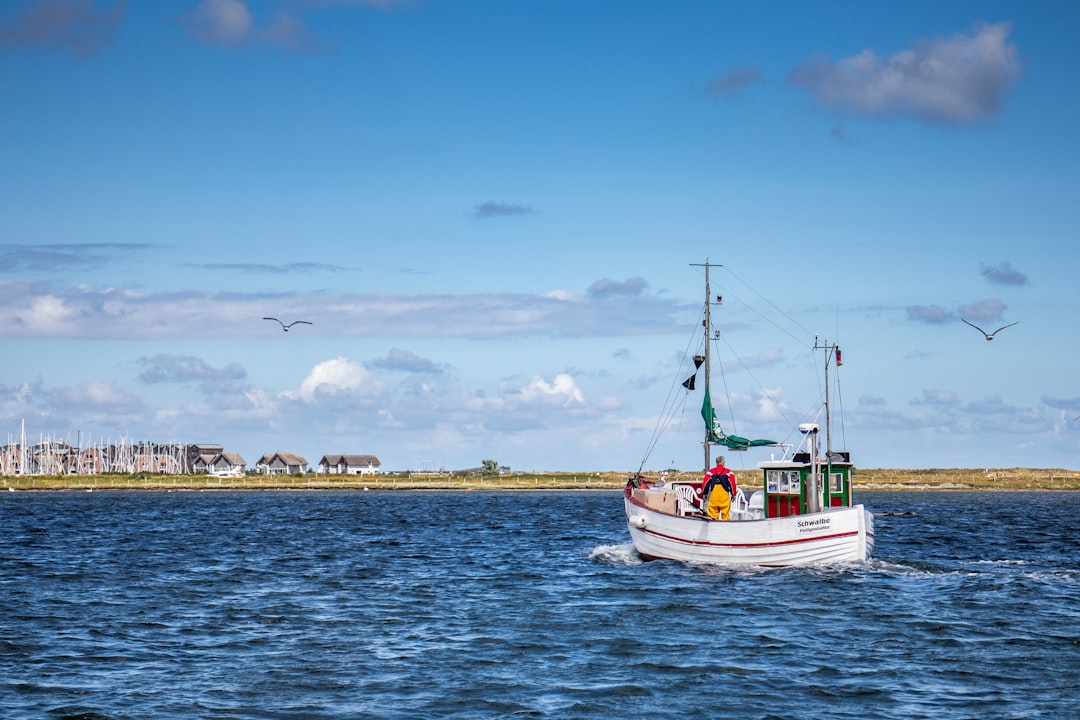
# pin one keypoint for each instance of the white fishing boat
(800, 512)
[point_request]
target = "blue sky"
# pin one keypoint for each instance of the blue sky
(490, 210)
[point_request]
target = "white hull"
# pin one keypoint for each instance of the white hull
(842, 534)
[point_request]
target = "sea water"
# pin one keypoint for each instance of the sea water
(522, 605)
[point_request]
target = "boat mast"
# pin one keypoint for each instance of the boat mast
(707, 323)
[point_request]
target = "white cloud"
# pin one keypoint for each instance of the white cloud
(562, 391)
(531, 396)
(562, 295)
(102, 393)
(497, 209)
(48, 313)
(771, 404)
(231, 23)
(340, 375)
(606, 287)
(769, 357)
(962, 79)
(404, 361)
(39, 309)
(83, 406)
(932, 314)
(932, 396)
(731, 83)
(227, 22)
(990, 309)
(77, 25)
(1003, 274)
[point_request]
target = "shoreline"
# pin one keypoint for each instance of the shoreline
(1001, 479)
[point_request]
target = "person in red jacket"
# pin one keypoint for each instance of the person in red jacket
(717, 489)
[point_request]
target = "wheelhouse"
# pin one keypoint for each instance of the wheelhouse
(805, 484)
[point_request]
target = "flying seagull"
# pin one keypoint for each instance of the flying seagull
(286, 327)
(990, 336)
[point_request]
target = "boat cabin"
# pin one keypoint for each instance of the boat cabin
(802, 485)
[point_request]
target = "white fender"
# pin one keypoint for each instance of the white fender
(637, 521)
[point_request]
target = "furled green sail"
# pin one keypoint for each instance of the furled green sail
(717, 435)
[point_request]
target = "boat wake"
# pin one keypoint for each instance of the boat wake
(616, 555)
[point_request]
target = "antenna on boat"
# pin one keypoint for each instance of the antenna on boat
(830, 350)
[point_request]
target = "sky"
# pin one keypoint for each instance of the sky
(494, 216)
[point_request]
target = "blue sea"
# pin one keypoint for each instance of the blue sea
(353, 604)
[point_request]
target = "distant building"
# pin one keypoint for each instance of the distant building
(197, 451)
(90, 461)
(220, 463)
(54, 457)
(11, 459)
(349, 465)
(158, 458)
(282, 463)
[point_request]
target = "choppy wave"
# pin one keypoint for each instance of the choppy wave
(486, 605)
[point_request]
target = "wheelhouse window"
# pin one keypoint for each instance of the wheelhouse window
(783, 481)
(836, 482)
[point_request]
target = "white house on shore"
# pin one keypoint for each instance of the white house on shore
(348, 465)
(282, 463)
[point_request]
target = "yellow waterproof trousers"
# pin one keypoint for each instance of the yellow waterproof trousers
(719, 504)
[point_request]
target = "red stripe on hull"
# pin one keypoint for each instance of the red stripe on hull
(700, 543)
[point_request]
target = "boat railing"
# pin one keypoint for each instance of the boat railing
(739, 503)
(680, 498)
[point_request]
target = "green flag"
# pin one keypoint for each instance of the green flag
(709, 416)
(715, 434)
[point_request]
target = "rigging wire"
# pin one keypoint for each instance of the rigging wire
(764, 393)
(679, 425)
(727, 392)
(768, 302)
(753, 309)
(679, 400)
(667, 414)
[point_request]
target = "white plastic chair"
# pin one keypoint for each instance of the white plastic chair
(755, 509)
(686, 500)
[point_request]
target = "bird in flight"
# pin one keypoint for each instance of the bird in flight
(990, 336)
(286, 327)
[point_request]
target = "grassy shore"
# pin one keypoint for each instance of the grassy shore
(933, 479)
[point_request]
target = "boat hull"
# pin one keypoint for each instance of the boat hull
(836, 535)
